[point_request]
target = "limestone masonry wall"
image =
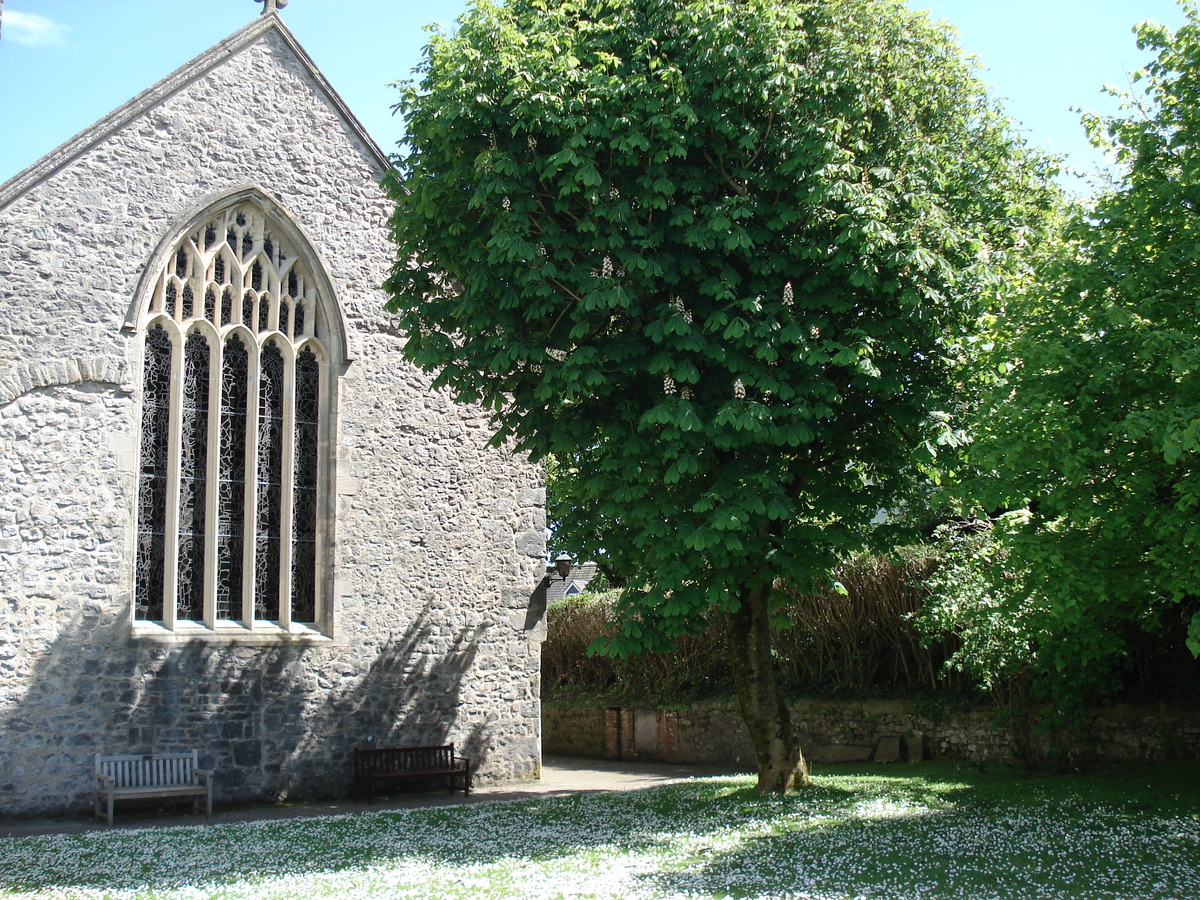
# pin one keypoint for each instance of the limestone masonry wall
(439, 538)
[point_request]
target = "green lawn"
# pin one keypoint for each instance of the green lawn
(928, 831)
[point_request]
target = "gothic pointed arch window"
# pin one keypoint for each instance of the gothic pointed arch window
(237, 399)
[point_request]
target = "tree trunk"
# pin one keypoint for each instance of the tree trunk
(776, 744)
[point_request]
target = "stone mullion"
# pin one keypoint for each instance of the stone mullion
(195, 279)
(272, 279)
(174, 455)
(212, 498)
(237, 279)
(250, 513)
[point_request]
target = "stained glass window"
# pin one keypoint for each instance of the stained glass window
(232, 472)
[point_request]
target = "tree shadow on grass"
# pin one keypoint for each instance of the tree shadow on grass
(445, 839)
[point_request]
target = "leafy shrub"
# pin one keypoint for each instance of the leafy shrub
(1017, 644)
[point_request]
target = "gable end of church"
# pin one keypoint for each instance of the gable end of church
(231, 517)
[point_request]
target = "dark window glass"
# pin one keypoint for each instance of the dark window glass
(270, 483)
(231, 526)
(193, 477)
(304, 492)
(152, 485)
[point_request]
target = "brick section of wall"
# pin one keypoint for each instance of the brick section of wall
(439, 538)
(714, 734)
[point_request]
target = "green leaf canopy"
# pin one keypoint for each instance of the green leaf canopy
(717, 256)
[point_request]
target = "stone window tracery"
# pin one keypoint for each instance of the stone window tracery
(236, 400)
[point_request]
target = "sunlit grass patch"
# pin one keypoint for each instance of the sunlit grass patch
(934, 831)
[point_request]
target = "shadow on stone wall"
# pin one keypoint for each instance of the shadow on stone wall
(410, 695)
(274, 722)
(538, 601)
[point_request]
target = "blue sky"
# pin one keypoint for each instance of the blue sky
(66, 63)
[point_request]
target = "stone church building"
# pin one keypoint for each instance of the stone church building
(231, 517)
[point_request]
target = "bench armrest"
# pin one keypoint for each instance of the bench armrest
(203, 773)
(103, 780)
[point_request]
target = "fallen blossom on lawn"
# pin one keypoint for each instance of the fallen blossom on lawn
(876, 838)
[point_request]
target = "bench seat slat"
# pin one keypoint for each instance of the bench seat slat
(151, 790)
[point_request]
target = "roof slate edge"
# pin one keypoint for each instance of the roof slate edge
(65, 153)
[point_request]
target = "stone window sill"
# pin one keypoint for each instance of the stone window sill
(263, 634)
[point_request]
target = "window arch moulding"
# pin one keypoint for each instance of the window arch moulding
(242, 346)
(283, 224)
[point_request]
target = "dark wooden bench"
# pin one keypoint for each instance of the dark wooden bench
(380, 766)
(134, 776)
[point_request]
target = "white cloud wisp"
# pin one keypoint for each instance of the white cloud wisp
(33, 30)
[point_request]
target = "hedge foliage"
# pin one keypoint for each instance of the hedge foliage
(893, 633)
(834, 643)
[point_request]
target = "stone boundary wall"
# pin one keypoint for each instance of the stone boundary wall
(714, 734)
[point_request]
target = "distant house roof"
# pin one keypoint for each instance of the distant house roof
(575, 583)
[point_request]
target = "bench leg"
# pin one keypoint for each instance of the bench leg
(110, 809)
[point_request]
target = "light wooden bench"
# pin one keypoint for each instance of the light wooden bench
(381, 765)
(134, 776)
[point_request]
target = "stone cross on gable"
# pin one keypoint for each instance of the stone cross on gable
(269, 6)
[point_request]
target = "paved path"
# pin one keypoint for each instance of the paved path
(560, 776)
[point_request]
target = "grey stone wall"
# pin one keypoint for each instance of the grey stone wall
(714, 733)
(439, 538)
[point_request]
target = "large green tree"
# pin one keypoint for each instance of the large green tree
(1092, 438)
(718, 257)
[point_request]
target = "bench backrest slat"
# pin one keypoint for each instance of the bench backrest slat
(149, 770)
(398, 760)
